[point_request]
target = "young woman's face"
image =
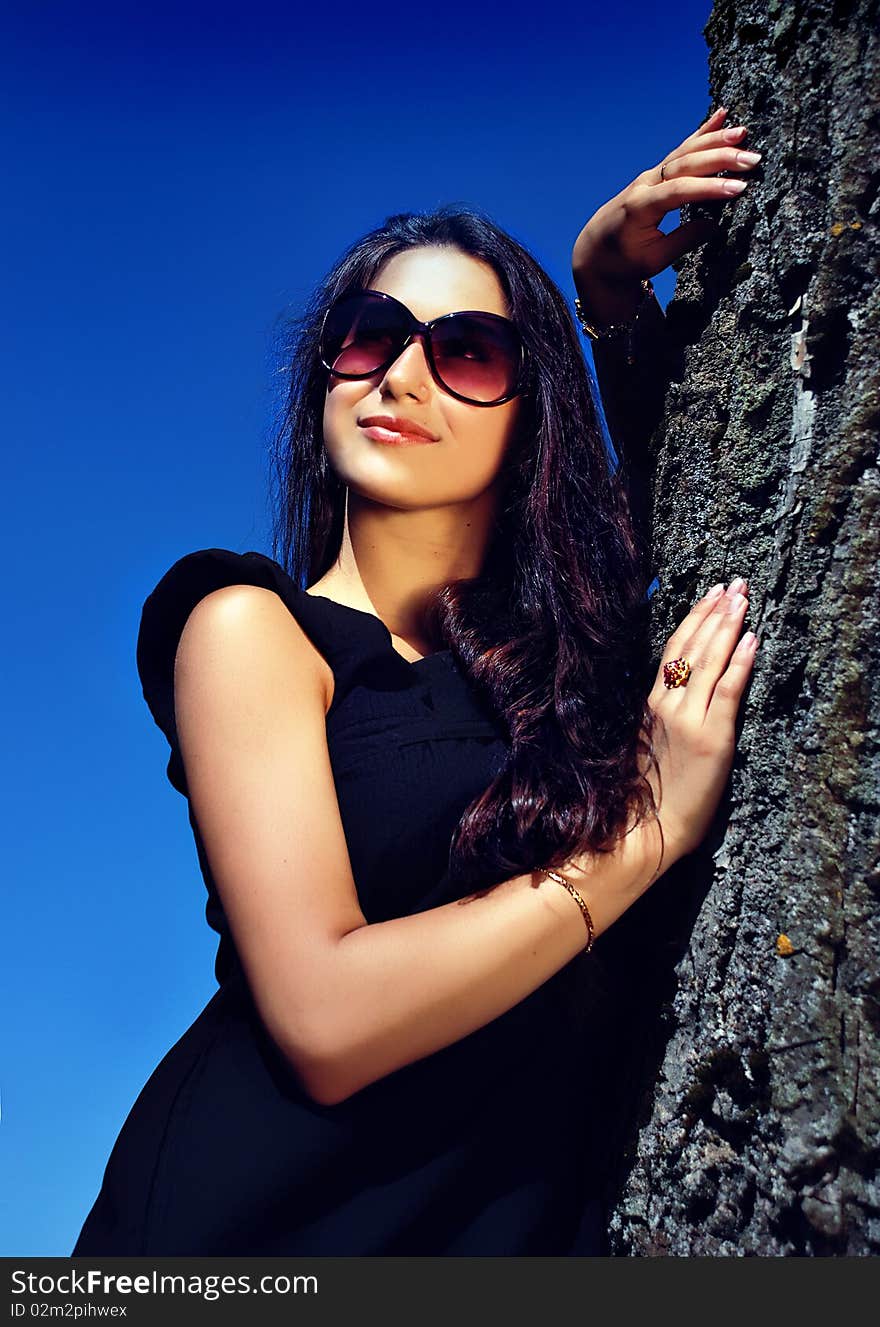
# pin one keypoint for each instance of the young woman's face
(471, 440)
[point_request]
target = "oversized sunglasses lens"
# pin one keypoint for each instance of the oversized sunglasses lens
(475, 355)
(361, 334)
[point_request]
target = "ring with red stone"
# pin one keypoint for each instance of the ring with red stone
(676, 673)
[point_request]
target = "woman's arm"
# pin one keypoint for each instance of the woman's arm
(348, 1002)
(619, 246)
(632, 394)
(427, 980)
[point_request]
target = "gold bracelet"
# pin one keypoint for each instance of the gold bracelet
(560, 879)
(595, 333)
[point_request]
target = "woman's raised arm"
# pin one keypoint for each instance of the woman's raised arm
(620, 245)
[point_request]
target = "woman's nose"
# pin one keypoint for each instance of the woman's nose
(410, 371)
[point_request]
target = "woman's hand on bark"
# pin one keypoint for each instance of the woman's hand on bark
(694, 736)
(622, 243)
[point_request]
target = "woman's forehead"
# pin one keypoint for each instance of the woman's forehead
(432, 281)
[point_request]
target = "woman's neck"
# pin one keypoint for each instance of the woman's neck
(392, 561)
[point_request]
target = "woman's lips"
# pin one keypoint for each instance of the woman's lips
(392, 438)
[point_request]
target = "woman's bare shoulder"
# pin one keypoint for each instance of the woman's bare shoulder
(239, 619)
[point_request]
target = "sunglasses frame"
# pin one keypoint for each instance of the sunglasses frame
(417, 328)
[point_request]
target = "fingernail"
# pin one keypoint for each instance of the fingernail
(734, 186)
(731, 135)
(735, 585)
(736, 603)
(748, 158)
(715, 591)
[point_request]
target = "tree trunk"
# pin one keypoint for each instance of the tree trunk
(748, 997)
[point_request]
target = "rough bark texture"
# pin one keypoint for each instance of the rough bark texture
(755, 1074)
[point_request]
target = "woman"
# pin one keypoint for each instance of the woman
(382, 767)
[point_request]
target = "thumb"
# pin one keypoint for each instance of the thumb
(689, 235)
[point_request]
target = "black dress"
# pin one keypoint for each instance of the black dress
(478, 1149)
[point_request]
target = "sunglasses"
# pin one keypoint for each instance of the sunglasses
(477, 357)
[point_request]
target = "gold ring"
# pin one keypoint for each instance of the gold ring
(676, 673)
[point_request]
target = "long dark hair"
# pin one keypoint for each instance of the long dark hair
(553, 631)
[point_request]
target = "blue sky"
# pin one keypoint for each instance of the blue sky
(176, 177)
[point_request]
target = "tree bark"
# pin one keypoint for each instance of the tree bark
(744, 985)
